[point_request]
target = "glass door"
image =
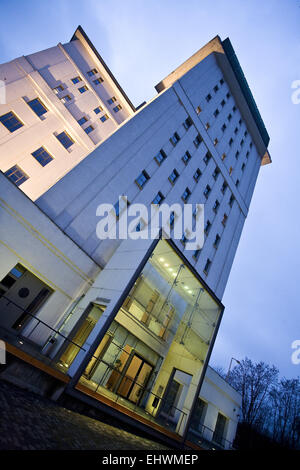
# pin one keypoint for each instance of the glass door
(135, 380)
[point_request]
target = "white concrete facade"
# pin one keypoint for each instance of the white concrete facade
(37, 76)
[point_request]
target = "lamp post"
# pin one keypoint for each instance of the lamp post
(232, 359)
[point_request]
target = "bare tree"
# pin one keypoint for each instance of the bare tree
(253, 381)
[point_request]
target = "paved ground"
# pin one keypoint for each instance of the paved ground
(28, 421)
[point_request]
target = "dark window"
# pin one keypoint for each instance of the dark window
(242, 142)
(92, 72)
(237, 153)
(237, 182)
(228, 95)
(236, 130)
(216, 206)
(234, 109)
(207, 191)
(197, 140)
(207, 266)
(10, 121)
(187, 123)
(198, 109)
(207, 227)
(222, 81)
(224, 187)
(175, 139)
(98, 81)
(223, 103)
(173, 176)
(37, 106)
(98, 110)
(65, 139)
(82, 120)
(216, 173)
(172, 218)
(16, 175)
(230, 141)
(88, 129)
(196, 254)
(217, 241)
(216, 88)
(223, 127)
(186, 157)
(117, 108)
(58, 89)
(208, 97)
(76, 80)
(243, 166)
(42, 156)
(247, 154)
(82, 89)
(160, 157)
(186, 195)
(112, 100)
(229, 117)
(216, 112)
(225, 217)
(207, 157)
(231, 200)
(158, 198)
(104, 118)
(142, 179)
(197, 175)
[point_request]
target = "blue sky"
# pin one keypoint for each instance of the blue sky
(144, 40)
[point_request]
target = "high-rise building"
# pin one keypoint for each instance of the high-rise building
(130, 323)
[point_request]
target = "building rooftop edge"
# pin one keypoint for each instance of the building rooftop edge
(80, 31)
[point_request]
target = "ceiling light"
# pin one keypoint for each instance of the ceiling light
(161, 259)
(166, 265)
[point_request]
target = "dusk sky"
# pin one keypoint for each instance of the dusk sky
(143, 41)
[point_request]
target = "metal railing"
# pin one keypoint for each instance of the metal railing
(205, 436)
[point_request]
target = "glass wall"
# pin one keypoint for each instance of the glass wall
(151, 358)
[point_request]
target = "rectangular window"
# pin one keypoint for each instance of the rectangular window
(142, 179)
(119, 208)
(92, 72)
(172, 219)
(234, 109)
(229, 117)
(16, 175)
(98, 81)
(158, 198)
(76, 80)
(217, 241)
(117, 108)
(65, 139)
(160, 157)
(216, 112)
(223, 128)
(187, 123)
(223, 103)
(231, 200)
(207, 191)
(82, 120)
(216, 88)
(228, 95)
(58, 89)
(186, 157)
(197, 140)
(225, 217)
(236, 130)
(42, 156)
(207, 227)
(10, 121)
(197, 175)
(242, 142)
(207, 157)
(88, 129)
(237, 182)
(243, 167)
(207, 266)
(104, 118)
(216, 173)
(230, 142)
(173, 176)
(175, 139)
(224, 187)
(237, 153)
(37, 107)
(98, 110)
(222, 81)
(186, 195)
(196, 254)
(208, 97)
(112, 100)
(82, 89)
(216, 206)
(247, 154)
